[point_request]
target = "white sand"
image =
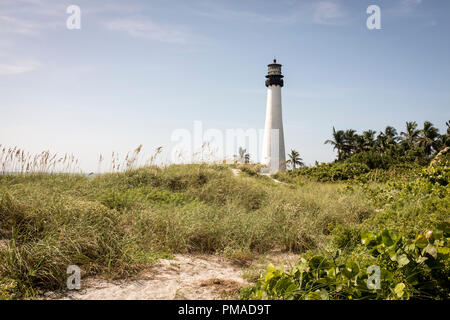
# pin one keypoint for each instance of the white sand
(185, 277)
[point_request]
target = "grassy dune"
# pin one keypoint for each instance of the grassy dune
(113, 224)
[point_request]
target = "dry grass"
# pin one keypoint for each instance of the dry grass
(114, 223)
(16, 160)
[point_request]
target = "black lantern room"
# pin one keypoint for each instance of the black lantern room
(274, 76)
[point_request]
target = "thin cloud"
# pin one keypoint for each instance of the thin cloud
(121, 8)
(29, 18)
(32, 17)
(405, 7)
(15, 25)
(147, 29)
(15, 68)
(224, 14)
(410, 4)
(327, 12)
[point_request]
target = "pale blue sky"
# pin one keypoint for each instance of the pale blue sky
(137, 70)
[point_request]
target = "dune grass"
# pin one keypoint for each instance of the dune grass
(114, 224)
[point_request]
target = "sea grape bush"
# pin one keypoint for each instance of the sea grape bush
(332, 171)
(438, 176)
(420, 267)
(410, 207)
(414, 264)
(410, 269)
(350, 170)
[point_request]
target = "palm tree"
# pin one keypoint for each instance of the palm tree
(446, 137)
(369, 139)
(428, 138)
(390, 140)
(338, 142)
(243, 155)
(294, 159)
(381, 143)
(350, 137)
(391, 135)
(359, 144)
(411, 135)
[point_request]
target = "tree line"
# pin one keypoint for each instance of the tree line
(412, 144)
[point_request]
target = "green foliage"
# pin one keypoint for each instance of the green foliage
(437, 175)
(372, 160)
(352, 169)
(114, 224)
(412, 206)
(118, 200)
(409, 269)
(327, 172)
(387, 147)
(132, 198)
(414, 263)
(346, 238)
(250, 169)
(45, 237)
(8, 288)
(294, 159)
(420, 264)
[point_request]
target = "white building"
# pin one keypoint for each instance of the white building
(273, 154)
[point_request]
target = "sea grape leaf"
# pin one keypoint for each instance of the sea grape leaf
(431, 250)
(402, 260)
(399, 289)
(386, 238)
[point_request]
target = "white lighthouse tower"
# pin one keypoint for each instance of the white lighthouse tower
(273, 154)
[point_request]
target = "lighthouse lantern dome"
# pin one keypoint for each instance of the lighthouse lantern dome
(274, 76)
(274, 68)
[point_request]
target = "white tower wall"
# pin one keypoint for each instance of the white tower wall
(273, 154)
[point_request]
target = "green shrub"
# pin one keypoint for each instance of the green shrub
(250, 169)
(372, 160)
(411, 206)
(327, 172)
(410, 269)
(118, 200)
(439, 175)
(345, 237)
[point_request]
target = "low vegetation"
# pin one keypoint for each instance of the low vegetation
(115, 223)
(368, 208)
(407, 239)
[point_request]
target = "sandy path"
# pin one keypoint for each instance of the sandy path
(194, 277)
(184, 277)
(237, 171)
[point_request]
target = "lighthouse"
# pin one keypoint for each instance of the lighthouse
(273, 154)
